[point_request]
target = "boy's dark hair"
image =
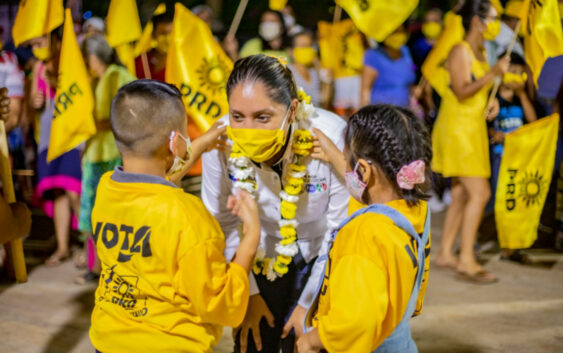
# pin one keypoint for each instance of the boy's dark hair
(515, 59)
(277, 77)
(471, 8)
(390, 137)
(166, 17)
(143, 113)
(303, 32)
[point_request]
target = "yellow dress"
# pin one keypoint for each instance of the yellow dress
(459, 140)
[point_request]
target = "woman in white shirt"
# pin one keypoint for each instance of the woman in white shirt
(267, 116)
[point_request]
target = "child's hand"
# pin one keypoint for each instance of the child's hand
(309, 342)
(215, 137)
(322, 146)
(494, 110)
(244, 207)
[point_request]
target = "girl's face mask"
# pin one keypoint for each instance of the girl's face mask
(304, 55)
(355, 185)
(179, 162)
(259, 145)
(269, 30)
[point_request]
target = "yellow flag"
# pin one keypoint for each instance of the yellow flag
(36, 18)
(123, 24)
(498, 6)
(543, 37)
(145, 43)
(523, 181)
(341, 48)
(277, 5)
(125, 52)
(378, 18)
(73, 122)
(197, 65)
(433, 68)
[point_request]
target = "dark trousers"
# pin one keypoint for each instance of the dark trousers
(281, 296)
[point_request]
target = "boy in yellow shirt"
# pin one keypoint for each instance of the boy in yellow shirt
(165, 285)
(379, 255)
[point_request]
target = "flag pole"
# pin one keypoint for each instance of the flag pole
(16, 246)
(238, 17)
(337, 14)
(499, 81)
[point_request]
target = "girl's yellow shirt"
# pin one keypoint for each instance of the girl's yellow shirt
(165, 285)
(369, 279)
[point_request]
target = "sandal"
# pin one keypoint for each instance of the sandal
(480, 277)
(56, 259)
(87, 278)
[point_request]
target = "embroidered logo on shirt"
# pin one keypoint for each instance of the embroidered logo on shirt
(315, 184)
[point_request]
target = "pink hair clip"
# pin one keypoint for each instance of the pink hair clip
(411, 174)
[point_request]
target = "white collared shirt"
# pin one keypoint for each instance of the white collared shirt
(321, 207)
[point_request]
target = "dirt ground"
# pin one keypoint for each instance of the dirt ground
(523, 312)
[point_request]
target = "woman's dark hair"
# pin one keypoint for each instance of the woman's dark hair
(97, 45)
(471, 8)
(390, 137)
(273, 74)
(284, 36)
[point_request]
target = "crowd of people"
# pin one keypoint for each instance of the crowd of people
(181, 216)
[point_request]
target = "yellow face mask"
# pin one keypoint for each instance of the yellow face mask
(304, 56)
(258, 144)
(431, 30)
(510, 77)
(41, 53)
(492, 30)
(162, 43)
(396, 40)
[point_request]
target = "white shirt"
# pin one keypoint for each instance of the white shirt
(321, 207)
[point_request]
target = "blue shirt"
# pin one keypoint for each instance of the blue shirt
(394, 76)
(510, 117)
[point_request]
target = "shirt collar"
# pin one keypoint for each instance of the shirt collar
(125, 177)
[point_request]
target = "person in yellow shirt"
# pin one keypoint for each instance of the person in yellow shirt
(165, 285)
(379, 255)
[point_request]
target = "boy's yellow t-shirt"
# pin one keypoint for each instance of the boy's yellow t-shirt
(165, 285)
(368, 281)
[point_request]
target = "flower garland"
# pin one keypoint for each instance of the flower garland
(241, 171)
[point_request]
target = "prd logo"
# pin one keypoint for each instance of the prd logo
(532, 188)
(213, 74)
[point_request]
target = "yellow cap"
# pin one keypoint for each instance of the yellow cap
(513, 8)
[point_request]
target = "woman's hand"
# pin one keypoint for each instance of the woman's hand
(494, 109)
(498, 137)
(295, 322)
(309, 342)
(501, 67)
(257, 309)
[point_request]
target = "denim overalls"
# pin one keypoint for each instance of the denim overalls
(400, 341)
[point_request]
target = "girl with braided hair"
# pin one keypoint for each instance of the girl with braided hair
(376, 270)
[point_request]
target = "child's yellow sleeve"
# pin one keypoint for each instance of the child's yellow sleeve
(218, 290)
(358, 296)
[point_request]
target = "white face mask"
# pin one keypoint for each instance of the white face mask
(269, 30)
(289, 20)
(179, 163)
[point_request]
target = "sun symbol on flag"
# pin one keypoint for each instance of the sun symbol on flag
(532, 188)
(213, 74)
